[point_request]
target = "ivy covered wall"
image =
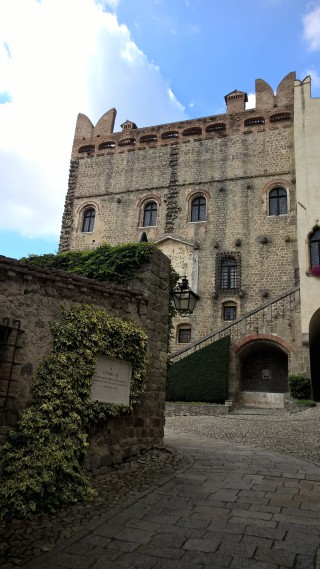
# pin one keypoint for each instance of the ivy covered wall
(38, 296)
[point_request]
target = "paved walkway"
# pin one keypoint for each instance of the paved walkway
(232, 506)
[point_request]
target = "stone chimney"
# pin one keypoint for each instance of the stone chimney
(128, 125)
(236, 101)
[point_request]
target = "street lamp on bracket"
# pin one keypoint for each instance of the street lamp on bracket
(184, 298)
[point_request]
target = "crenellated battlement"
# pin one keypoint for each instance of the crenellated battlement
(271, 111)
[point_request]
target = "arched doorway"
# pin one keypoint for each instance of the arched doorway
(263, 374)
(314, 347)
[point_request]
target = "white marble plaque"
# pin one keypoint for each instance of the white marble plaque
(111, 381)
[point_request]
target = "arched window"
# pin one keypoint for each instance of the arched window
(184, 334)
(314, 243)
(198, 209)
(148, 138)
(150, 214)
(278, 203)
(254, 121)
(170, 134)
(229, 273)
(280, 117)
(193, 131)
(88, 148)
(88, 220)
(215, 127)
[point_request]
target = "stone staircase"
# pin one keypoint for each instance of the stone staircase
(260, 320)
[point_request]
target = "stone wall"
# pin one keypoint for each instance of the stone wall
(33, 297)
(232, 159)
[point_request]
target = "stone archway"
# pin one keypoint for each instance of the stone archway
(263, 372)
(314, 346)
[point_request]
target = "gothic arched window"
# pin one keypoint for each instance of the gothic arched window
(278, 203)
(150, 214)
(198, 209)
(314, 244)
(89, 216)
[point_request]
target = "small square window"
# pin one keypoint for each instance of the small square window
(184, 335)
(229, 312)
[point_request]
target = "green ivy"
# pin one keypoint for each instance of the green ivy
(43, 459)
(105, 263)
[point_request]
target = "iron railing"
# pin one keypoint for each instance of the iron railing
(252, 322)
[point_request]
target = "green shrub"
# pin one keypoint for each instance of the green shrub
(306, 402)
(105, 263)
(299, 387)
(201, 376)
(43, 459)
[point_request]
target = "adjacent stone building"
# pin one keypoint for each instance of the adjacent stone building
(307, 146)
(218, 194)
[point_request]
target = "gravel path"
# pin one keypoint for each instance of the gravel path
(297, 434)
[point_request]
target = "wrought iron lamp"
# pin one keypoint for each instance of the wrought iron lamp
(184, 298)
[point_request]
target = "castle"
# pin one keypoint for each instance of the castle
(232, 199)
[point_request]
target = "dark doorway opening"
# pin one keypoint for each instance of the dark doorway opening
(314, 347)
(264, 368)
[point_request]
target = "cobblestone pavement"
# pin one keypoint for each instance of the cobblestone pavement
(22, 541)
(232, 506)
(297, 434)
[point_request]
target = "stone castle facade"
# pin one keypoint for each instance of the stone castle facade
(219, 196)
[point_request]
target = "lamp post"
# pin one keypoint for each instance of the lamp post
(184, 298)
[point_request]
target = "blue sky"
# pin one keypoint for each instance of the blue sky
(156, 61)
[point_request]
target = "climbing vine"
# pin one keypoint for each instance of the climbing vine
(105, 263)
(43, 459)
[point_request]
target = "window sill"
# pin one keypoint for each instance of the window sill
(309, 274)
(204, 221)
(147, 226)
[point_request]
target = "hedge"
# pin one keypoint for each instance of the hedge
(299, 387)
(201, 376)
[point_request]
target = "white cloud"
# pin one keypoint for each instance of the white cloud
(311, 26)
(58, 58)
(251, 104)
(315, 77)
(105, 4)
(174, 99)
